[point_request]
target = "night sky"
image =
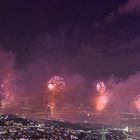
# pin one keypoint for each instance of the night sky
(94, 38)
(82, 41)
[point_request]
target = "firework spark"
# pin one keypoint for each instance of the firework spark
(136, 103)
(101, 88)
(56, 85)
(101, 102)
(103, 98)
(7, 89)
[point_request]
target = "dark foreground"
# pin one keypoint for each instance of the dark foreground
(14, 127)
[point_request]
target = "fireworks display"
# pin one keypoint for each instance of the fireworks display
(54, 89)
(101, 102)
(101, 88)
(7, 89)
(102, 99)
(69, 62)
(136, 103)
(56, 85)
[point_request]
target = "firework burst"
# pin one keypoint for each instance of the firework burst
(101, 88)
(102, 98)
(55, 85)
(136, 103)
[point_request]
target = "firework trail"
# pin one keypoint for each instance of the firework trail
(55, 85)
(8, 79)
(101, 102)
(7, 89)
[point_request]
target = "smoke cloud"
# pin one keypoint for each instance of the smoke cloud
(130, 7)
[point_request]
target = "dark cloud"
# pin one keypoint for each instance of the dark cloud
(129, 48)
(131, 6)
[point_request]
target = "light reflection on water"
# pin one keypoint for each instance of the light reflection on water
(32, 107)
(37, 108)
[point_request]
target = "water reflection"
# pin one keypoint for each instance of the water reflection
(28, 106)
(36, 107)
